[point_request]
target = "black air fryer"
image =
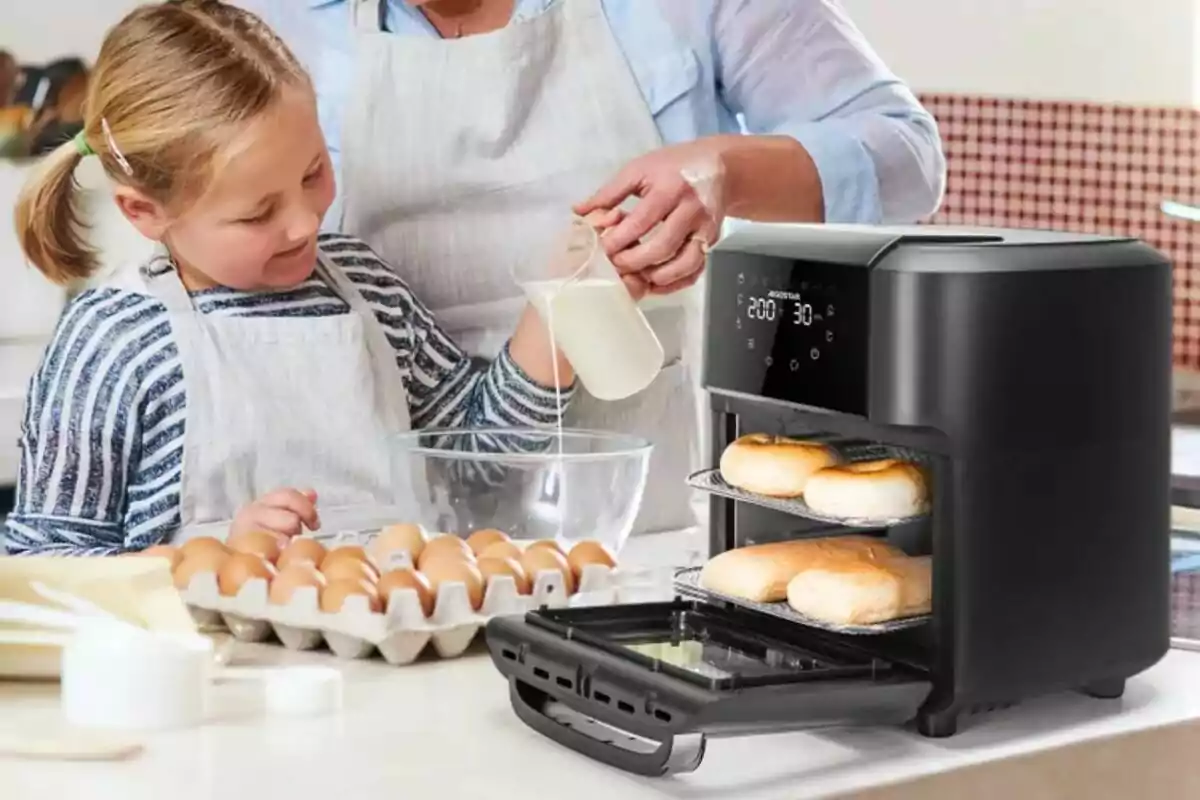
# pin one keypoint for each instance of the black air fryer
(1029, 372)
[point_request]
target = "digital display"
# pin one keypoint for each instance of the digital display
(789, 330)
(768, 309)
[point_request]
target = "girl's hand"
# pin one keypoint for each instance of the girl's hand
(286, 512)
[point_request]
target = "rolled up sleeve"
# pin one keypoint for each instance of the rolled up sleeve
(803, 69)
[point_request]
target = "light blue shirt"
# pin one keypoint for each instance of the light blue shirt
(794, 67)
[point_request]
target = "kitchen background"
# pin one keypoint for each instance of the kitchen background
(1076, 114)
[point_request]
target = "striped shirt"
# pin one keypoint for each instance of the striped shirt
(105, 415)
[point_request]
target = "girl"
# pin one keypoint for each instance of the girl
(251, 353)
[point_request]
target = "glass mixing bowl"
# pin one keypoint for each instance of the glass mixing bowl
(529, 483)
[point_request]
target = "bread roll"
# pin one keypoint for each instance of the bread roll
(761, 572)
(884, 489)
(863, 592)
(774, 466)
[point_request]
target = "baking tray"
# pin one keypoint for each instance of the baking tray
(714, 647)
(687, 583)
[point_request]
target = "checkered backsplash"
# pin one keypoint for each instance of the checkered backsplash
(1079, 167)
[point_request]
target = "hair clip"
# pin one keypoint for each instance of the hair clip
(112, 147)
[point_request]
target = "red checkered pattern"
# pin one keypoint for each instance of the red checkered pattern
(1079, 167)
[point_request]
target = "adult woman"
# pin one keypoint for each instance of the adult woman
(463, 130)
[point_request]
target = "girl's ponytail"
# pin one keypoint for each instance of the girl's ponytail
(49, 227)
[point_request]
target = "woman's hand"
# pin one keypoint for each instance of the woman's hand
(604, 220)
(286, 512)
(681, 224)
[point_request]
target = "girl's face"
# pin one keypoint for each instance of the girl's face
(255, 227)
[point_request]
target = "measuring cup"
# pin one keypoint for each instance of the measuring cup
(116, 675)
(591, 316)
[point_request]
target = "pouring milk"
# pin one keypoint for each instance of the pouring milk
(594, 320)
(602, 332)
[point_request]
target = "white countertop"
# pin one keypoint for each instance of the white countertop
(445, 729)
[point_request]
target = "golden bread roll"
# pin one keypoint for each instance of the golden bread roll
(862, 592)
(760, 573)
(774, 466)
(883, 489)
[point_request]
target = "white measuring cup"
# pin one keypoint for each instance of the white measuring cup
(116, 675)
(591, 316)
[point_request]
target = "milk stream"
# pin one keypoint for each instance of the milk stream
(560, 465)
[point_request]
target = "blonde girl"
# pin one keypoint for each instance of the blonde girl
(249, 375)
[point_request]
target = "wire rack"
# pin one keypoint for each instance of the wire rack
(710, 480)
(687, 583)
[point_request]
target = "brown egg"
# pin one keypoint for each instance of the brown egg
(292, 577)
(481, 540)
(549, 544)
(334, 595)
(240, 568)
(406, 538)
(264, 544)
(450, 570)
(405, 578)
(200, 561)
(346, 551)
(539, 559)
(202, 543)
(442, 547)
(506, 566)
(301, 549)
(586, 553)
(349, 569)
(501, 550)
(166, 551)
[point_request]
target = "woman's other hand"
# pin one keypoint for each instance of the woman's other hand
(286, 512)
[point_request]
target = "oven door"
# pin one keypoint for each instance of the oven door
(640, 687)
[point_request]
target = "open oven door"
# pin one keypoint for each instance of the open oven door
(641, 687)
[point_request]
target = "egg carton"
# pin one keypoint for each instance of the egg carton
(402, 633)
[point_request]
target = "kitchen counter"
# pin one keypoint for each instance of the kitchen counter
(445, 729)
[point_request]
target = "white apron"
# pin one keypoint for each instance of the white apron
(288, 402)
(463, 157)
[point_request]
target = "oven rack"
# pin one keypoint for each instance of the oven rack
(848, 450)
(687, 583)
(710, 480)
